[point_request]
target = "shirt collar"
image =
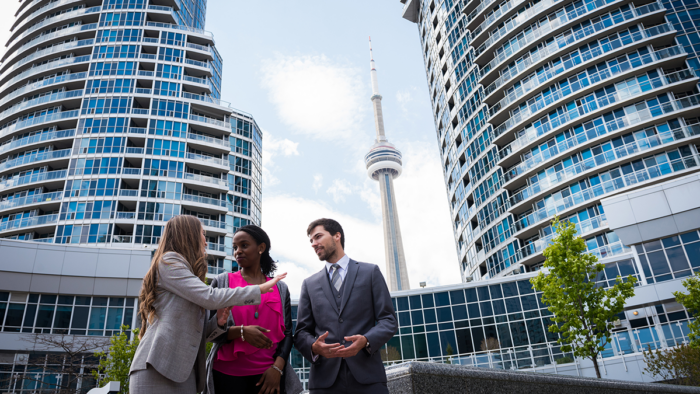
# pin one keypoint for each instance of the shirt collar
(343, 263)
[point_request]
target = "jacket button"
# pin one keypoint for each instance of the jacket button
(343, 342)
(338, 295)
(340, 320)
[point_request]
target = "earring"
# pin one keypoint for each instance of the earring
(260, 252)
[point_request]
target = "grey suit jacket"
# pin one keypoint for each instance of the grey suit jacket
(174, 342)
(365, 309)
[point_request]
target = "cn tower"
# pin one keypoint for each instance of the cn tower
(384, 164)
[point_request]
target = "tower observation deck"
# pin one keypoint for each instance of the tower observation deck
(383, 162)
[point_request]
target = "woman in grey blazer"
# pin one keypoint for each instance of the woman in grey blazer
(173, 303)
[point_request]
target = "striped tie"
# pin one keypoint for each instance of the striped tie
(336, 280)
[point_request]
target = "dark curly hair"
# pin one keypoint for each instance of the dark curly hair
(267, 264)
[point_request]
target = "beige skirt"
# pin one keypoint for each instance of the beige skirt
(149, 381)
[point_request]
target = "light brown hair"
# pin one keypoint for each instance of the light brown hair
(183, 235)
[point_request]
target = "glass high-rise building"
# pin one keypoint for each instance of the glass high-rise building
(545, 107)
(111, 122)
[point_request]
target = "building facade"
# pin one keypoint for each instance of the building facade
(544, 108)
(111, 122)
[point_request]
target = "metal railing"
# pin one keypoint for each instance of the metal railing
(28, 222)
(53, 135)
(36, 85)
(203, 200)
(208, 159)
(211, 140)
(206, 179)
(33, 199)
(32, 178)
(35, 157)
(40, 100)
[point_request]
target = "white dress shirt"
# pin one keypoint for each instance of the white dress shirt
(342, 267)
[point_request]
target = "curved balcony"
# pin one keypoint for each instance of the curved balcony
(60, 96)
(578, 61)
(211, 121)
(503, 12)
(538, 246)
(49, 21)
(39, 120)
(536, 133)
(521, 93)
(29, 222)
(213, 247)
(22, 19)
(32, 178)
(48, 37)
(37, 138)
(583, 139)
(44, 67)
(40, 84)
(203, 200)
(620, 125)
(560, 204)
(34, 158)
(222, 183)
(561, 42)
(45, 53)
(182, 28)
(210, 140)
(594, 104)
(213, 224)
(31, 200)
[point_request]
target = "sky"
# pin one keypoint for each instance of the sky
(302, 69)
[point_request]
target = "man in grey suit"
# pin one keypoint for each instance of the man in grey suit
(344, 317)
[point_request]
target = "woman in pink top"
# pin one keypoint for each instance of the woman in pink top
(254, 356)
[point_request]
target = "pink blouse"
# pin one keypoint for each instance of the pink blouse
(239, 358)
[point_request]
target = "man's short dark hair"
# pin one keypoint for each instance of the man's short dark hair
(329, 225)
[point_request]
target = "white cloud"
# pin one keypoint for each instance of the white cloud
(273, 147)
(316, 96)
(318, 182)
(339, 189)
(425, 224)
(403, 97)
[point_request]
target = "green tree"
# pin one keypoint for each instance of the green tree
(583, 311)
(691, 302)
(115, 364)
(677, 365)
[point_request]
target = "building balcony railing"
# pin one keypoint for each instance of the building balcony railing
(35, 157)
(122, 239)
(38, 120)
(189, 78)
(590, 79)
(207, 159)
(519, 21)
(48, 66)
(126, 215)
(213, 223)
(33, 199)
(41, 39)
(504, 8)
(563, 200)
(210, 140)
(205, 98)
(197, 63)
(575, 60)
(595, 104)
(624, 121)
(29, 222)
(215, 247)
(45, 52)
(204, 200)
(564, 41)
(636, 146)
(205, 119)
(45, 8)
(206, 179)
(128, 193)
(37, 85)
(58, 18)
(180, 27)
(33, 178)
(53, 135)
(40, 100)
(538, 246)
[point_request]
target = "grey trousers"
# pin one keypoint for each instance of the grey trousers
(149, 381)
(345, 383)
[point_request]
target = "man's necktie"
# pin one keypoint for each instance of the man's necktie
(336, 280)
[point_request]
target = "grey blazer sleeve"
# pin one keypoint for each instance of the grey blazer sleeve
(177, 278)
(220, 334)
(305, 334)
(384, 313)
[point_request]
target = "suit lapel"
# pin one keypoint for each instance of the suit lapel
(323, 279)
(349, 282)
